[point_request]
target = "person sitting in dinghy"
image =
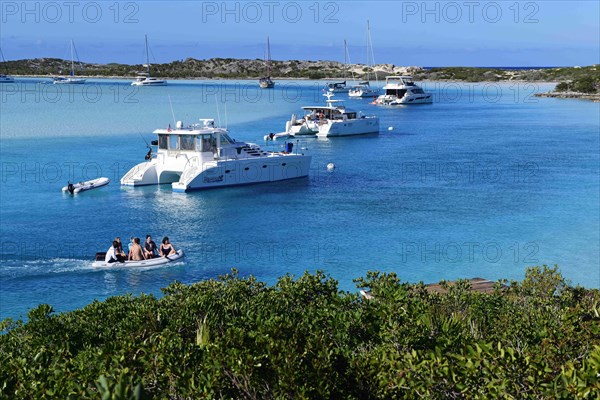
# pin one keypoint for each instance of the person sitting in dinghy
(150, 248)
(112, 254)
(135, 252)
(166, 248)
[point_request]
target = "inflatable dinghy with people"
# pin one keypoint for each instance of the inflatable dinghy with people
(151, 262)
(75, 188)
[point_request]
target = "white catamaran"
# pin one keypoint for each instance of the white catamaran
(70, 80)
(144, 78)
(203, 156)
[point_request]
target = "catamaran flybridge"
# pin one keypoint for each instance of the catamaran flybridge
(401, 90)
(202, 156)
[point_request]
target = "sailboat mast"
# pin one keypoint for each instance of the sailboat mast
(72, 62)
(268, 57)
(345, 59)
(147, 56)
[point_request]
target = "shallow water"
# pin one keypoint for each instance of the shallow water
(486, 181)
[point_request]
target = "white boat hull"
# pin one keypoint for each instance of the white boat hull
(189, 176)
(362, 126)
(154, 83)
(69, 81)
(363, 93)
(231, 173)
(152, 262)
(87, 185)
(413, 99)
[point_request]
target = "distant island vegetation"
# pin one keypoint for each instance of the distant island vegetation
(230, 68)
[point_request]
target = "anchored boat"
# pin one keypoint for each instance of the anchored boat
(202, 156)
(401, 90)
(78, 187)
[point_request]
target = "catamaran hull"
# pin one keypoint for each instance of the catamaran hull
(219, 174)
(363, 126)
(228, 173)
(363, 94)
(405, 100)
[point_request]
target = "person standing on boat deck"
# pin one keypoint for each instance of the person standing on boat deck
(111, 254)
(149, 248)
(135, 252)
(166, 248)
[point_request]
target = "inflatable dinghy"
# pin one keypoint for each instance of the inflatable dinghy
(78, 187)
(142, 263)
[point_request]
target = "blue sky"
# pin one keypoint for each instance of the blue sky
(432, 33)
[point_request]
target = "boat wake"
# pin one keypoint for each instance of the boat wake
(39, 268)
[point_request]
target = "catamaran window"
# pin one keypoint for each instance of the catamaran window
(395, 92)
(225, 139)
(204, 143)
(173, 142)
(352, 115)
(418, 91)
(163, 142)
(186, 142)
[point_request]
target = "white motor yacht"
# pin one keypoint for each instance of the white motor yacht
(202, 156)
(401, 90)
(336, 120)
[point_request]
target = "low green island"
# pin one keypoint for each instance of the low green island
(303, 338)
(573, 82)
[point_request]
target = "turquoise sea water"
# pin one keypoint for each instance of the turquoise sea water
(486, 181)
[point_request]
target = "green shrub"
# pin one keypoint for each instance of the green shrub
(235, 337)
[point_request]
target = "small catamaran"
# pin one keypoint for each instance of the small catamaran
(144, 78)
(266, 82)
(71, 80)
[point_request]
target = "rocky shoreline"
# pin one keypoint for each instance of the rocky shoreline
(595, 97)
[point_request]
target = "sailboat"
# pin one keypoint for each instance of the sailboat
(144, 78)
(71, 80)
(5, 78)
(340, 87)
(266, 82)
(364, 89)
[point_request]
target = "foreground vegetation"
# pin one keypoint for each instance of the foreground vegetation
(236, 338)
